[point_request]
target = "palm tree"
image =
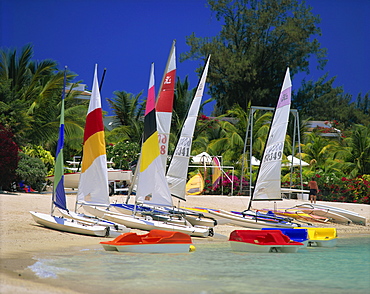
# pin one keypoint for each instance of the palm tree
(353, 155)
(31, 94)
(128, 121)
(318, 151)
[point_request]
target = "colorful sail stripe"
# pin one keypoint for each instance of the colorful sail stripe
(93, 148)
(150, 125)
(150, 148)
(150, 151)
(164, 105)
(93, 184)
(152, 185)
(94, 123)
(59, 197)
(166, 92)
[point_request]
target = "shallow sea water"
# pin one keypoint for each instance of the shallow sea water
(212, 268)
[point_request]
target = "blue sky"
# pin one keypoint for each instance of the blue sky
(126, 36)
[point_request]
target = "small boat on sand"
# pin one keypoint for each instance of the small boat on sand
(156, 241)
(322, 237)
(339, 215)
(297, 214)
(296, 235)
(262, 241)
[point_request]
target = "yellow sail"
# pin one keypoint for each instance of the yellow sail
(195, 185)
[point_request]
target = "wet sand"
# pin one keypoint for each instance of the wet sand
(21, 238)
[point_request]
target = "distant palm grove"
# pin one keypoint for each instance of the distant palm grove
(256, 43)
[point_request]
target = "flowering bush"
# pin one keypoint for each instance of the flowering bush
(224, 186)
(342, 189)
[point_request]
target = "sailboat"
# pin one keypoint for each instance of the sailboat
(178, 169)
(164, 104)
(195, 185)
(152, 187)
(59, 198)
(93, 182)
(268, 183)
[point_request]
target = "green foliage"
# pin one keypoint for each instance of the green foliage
(31, 171)
(128, 112)
(257, 42)
(39, 152)
(30, 96)
(123, 154)
(313, 99)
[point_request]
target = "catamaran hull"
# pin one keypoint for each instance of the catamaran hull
(192, 219)
(299, 215)
(67, 225)
(219, 220)
(115, 230)
(150, 248)
(353, 216)
(249, 222)
(147, 224)
(249, 247)
(329, 214)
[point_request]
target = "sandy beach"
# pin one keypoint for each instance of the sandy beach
(21, 238)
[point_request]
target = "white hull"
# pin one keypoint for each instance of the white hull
(335, 217)
(323, 243)
(174, 219)
(71, 180)
(220, 220)
(115, 230)
(68, 225)
(146, 223)
(198, 221)
(247, 222)
(249, 247)
(150, 248)
(192, 219)
(353, 216)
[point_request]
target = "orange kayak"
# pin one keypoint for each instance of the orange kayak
(156, 241)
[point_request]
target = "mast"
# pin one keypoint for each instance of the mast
(102, 80)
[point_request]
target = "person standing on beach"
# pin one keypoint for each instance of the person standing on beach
(314, 188)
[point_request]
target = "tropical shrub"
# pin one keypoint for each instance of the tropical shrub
(337, 188)
(226, 183)
(31, 171)
(123, 154)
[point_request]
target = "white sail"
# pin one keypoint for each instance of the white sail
(152, 186)
(268, 184)
(178, 169)
(164, 105)
(93, 184)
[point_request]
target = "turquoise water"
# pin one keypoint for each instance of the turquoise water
(213, 268)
